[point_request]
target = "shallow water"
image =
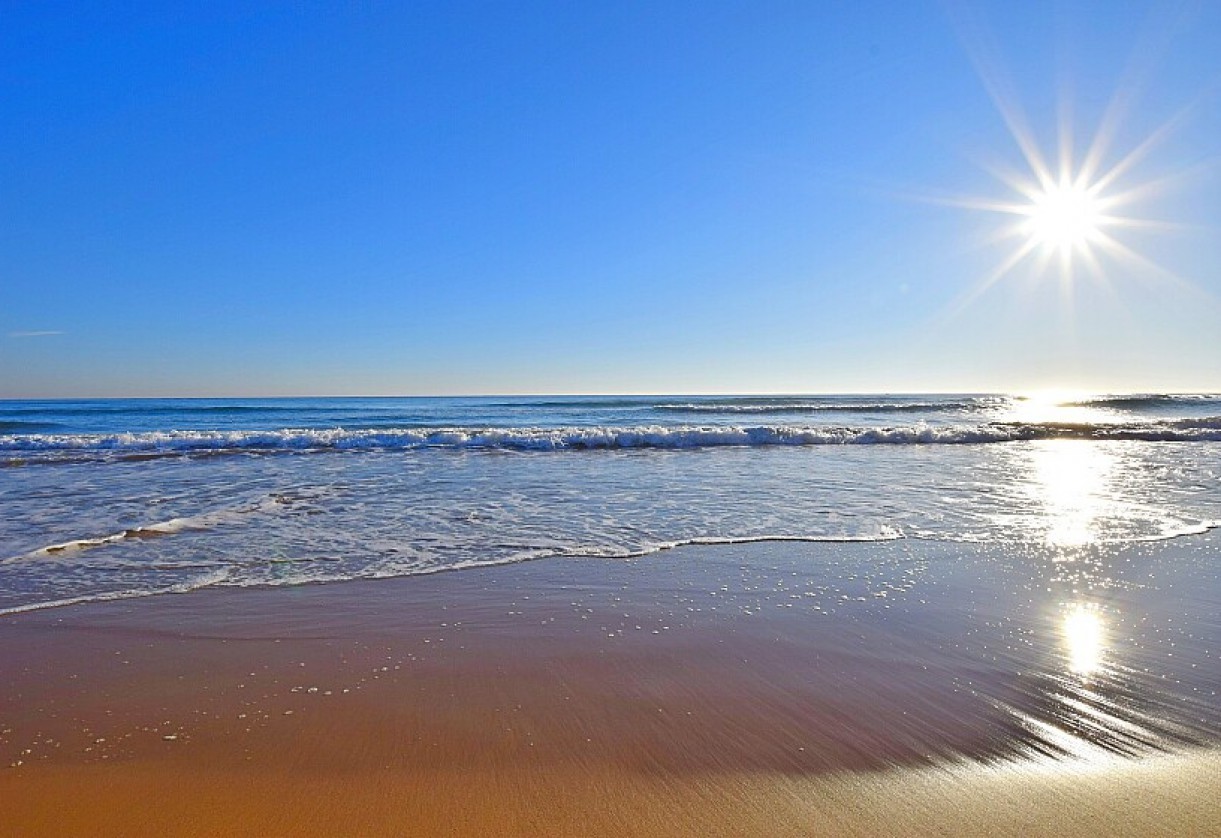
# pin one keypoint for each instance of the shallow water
(115, 499)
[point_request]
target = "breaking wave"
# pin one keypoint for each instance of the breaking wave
(16, 449)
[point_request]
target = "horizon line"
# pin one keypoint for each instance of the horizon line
(1021, 392)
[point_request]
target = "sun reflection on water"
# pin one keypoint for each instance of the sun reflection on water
(1061, 407)
(1072, 478)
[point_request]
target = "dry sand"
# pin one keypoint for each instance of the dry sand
(1167, 796)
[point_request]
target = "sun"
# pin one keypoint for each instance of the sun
(1065, 216)
(1070, 209)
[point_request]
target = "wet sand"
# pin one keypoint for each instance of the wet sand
(752, 689)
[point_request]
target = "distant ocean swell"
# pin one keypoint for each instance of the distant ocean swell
(26, 427)
(1150, 400)
(32, 447)
(780, 406)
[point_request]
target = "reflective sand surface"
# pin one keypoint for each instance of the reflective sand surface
(780, 687)
(780, 656)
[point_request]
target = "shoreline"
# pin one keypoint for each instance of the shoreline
(683, 692)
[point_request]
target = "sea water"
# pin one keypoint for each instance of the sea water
(110, 499)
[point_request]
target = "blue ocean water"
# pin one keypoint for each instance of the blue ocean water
(108, 499)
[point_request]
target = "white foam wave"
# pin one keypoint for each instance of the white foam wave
(216, 578)
(20, 448)
(238, 576)
(190, 523)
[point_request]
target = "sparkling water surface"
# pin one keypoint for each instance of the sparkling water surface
(1002, 577)
(117, 498)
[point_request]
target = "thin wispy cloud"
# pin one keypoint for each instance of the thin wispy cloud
(45, 333)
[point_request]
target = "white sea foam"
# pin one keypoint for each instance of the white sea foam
(201, 522)
(33, 447)
(214, 578)
(239, 576)
(154, 505)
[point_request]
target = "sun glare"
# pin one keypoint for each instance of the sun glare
(1065, 217)
(1069, 207)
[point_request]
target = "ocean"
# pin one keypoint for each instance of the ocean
(1029, 577)
(109, 499)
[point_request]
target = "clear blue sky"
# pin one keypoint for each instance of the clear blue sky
(398, 198)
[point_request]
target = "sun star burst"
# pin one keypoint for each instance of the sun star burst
(1065, 216)
(1072, 221)
(1071, 210)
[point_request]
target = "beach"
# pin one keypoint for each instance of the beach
(691, 691)
(610, 419)
(954, 614)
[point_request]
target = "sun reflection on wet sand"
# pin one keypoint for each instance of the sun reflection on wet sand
(1092, 707)
(1084, 636)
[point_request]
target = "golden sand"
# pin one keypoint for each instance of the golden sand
(513, 701)
(1161, 796)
